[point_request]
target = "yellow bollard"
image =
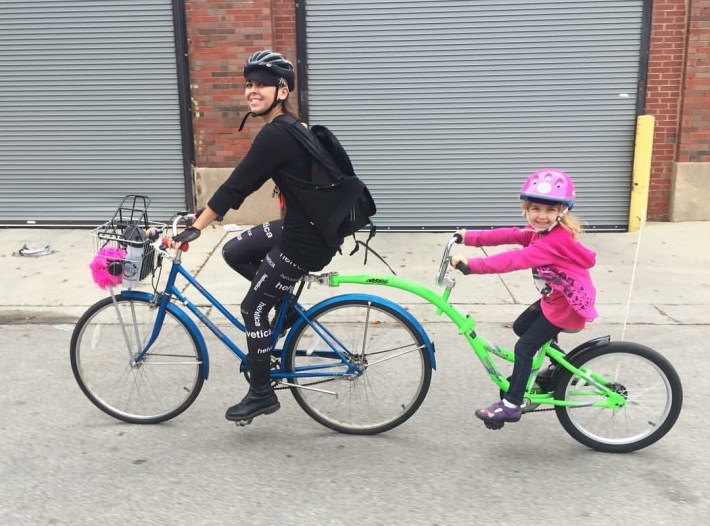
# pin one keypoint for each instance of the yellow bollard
(641, 173)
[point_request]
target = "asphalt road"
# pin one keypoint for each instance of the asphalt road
(66, 463)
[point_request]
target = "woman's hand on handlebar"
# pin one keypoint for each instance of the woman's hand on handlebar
(189, 234)
(202, 219)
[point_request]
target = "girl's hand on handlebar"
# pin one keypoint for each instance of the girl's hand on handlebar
(460, 263)
(457, 260)
(460, 235)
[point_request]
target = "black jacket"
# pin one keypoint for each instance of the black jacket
(273, 155)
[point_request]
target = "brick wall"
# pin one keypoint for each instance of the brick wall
(663, 92)
(694, 140)
(221, 35)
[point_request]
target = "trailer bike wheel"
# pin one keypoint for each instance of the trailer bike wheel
(649, 384)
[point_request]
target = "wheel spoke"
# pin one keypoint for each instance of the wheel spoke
(648, 385)
(390, 361)
(162, 384)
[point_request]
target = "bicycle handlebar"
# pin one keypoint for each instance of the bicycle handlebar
(165, 241)
(446, 258)
(182, 217)
(161, 244)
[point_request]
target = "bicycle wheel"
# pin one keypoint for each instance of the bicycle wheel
(160, 386)
(647, 380)
(381, 377)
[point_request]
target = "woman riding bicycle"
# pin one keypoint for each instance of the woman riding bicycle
(276, 254)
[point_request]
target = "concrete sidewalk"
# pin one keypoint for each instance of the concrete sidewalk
(671, 276)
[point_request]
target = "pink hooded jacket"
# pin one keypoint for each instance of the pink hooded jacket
(560, 260)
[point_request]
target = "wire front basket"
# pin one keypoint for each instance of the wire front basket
(131, 230)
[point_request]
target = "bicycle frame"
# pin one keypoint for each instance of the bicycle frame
(465, 324)
(162, 301)
(484, 349)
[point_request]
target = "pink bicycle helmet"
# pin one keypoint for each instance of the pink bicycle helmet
(549, 186)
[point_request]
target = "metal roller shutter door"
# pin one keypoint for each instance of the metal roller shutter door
(89, 109)
(446, 106)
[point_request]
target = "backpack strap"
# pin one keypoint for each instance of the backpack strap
(366, 244)
(299, 132)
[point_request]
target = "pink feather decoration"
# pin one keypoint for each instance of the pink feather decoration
(107, 267)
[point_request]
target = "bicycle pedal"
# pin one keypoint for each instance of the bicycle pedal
(242, 423)
(491, 424)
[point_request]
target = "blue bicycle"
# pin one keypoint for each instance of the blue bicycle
(355, 363)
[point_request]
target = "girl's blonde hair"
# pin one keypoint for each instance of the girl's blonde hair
(566, 220)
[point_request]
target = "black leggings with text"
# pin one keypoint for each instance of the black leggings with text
(534, 330)
(246, 251)
(255, 254)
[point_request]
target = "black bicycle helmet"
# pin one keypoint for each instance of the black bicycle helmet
(273, 62)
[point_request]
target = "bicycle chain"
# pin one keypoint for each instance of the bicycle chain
(275, 364)
(540, 410)
(288, 386)
(553, 408)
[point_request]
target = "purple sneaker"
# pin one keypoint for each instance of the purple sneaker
(499, 412)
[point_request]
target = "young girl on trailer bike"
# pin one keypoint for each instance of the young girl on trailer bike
(560, 265)
(276, 254)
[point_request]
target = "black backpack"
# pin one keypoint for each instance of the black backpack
(336, 200)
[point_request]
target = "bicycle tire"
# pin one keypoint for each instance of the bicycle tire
(395, 368)
(649, 383)
(159, 387)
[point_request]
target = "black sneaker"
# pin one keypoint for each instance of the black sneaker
(254, 404)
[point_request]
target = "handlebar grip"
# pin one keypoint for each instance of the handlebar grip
(166, 241)
(463, 268)
(458, 238)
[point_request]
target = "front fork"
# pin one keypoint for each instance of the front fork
(130, 329)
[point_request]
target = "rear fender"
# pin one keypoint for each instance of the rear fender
(375, 299)
(601, 341)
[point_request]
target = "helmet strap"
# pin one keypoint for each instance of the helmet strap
(562, 213)
(546, 230)
(558, 220)
(276, 102)
(244, 120)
